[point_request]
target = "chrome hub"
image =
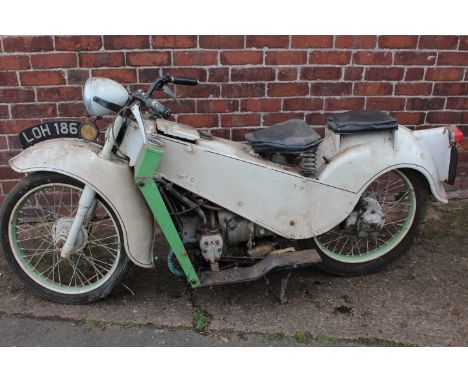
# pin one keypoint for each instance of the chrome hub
(60, 231)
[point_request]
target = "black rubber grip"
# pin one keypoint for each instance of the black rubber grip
(184, 81)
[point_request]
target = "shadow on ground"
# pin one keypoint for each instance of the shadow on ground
(419, 300)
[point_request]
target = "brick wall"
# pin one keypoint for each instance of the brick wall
(246, 81)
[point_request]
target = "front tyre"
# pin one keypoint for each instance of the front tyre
(34, 220)
(381, 228)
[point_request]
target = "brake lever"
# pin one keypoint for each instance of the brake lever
(171, 94)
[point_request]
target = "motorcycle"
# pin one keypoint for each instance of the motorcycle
(350, 202)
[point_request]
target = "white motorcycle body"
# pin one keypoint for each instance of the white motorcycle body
(232, 176)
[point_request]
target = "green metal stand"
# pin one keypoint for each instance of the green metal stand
(145, 170)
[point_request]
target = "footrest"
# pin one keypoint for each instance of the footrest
(286, 260)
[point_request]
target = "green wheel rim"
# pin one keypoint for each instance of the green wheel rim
(51, 278)
(336, 244)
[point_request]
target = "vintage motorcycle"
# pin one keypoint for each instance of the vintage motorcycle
(351, 202)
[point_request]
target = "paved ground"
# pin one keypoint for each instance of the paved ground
(419, 300)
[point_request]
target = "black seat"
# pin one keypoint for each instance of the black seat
(361, 121)
(291, 137)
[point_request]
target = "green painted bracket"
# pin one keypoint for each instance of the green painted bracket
(145, 169)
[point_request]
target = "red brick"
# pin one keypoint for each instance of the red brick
(287, 89)
(384, 73)
(3, 143)
(415, 58)
(195, 58)
(243, 90)
(385, 103)
(198, 120)
(47, 77)
(414, 74)
(451, 88)
(8, 173)
(373, 88)
(239, 134)
(242, 57)
(346, 103)
(203, 90)
(292, 57)
(331, 88)
(197, 73)
(444, 74)
(261, 104)
(372, 58)
(77, 43)
(453, 58)
(267, 41)
(253, 74)
(353, 73)
(316, 119)
(398, 42)
(8, 79)
(77, 76)
(119, 75)
(14, 62)
(306, 104)
(148, 75)
(443, 117)
(53, 60)
(72, 109)
(175, 42)
(425, 103)
(34, 110)
(413, 88)
(148, 58)
(14, 126)
(321, 73)
(438, 42)
(27, 43)
(218, 74)
(355, 42)
(4, 113)
(217, 106)
(97, 60)
(16, 95)
(329, 57)
(286, 73)
(312, 41)
(240, 120)
(8, 185)
(274, 118)
(463, 43)
(409, 118)
(221, 42)
(126, 42)
(59, 93)
(185, 106)
(220, 133)
(457, 103)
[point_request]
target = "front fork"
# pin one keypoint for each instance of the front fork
(87, 203)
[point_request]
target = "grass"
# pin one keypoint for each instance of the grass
(200, 320)
(275, 336)
(324, 339)
(300, 337)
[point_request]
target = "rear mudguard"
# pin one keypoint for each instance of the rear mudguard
(111, 179)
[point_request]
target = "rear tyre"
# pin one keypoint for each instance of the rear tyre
(34, 219)
(401, 195)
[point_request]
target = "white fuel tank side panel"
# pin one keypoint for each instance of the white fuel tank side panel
(111, 179)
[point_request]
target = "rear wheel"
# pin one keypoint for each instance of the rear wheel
(379, 230)
(34, 224)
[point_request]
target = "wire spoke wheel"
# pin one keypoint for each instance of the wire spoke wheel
(38, 224)
(380, 228)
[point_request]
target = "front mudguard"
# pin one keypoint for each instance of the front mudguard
(112, 179)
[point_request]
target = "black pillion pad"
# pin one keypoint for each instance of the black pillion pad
(361, 121)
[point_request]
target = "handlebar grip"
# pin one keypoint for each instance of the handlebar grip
(185, 81)
(158, 108)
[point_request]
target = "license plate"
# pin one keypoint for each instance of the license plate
(49, 130)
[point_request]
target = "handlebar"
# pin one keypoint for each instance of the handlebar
(153, 105)
(160, 82)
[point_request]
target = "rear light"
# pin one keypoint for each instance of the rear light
(455, 134)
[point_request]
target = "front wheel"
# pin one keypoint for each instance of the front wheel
(379, 230)
(35, 219)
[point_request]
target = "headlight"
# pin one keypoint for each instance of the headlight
(105, 89)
